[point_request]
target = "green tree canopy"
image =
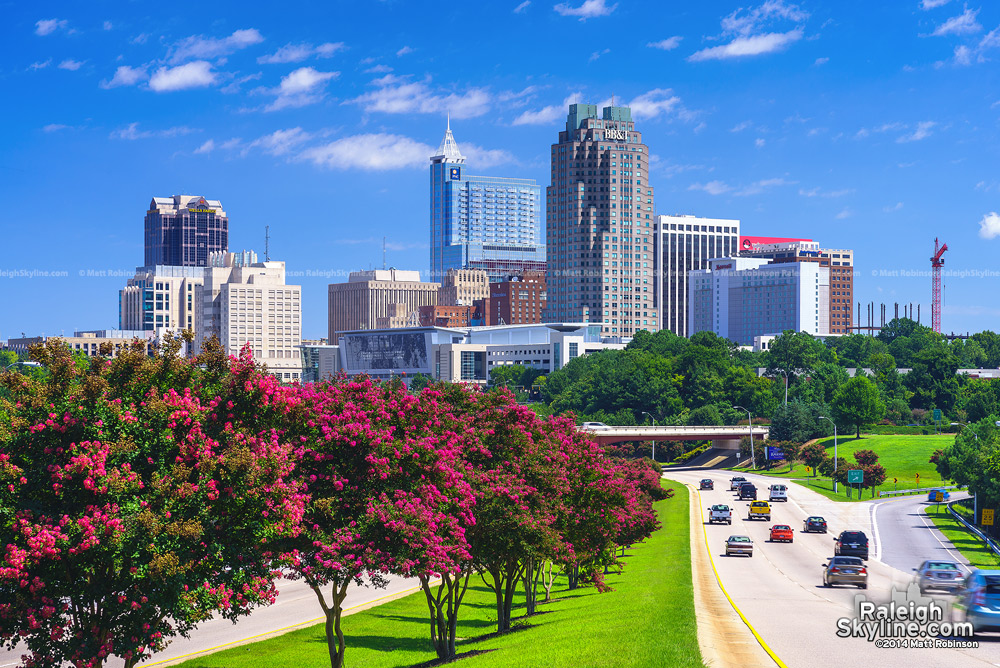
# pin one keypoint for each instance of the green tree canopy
(858, 403)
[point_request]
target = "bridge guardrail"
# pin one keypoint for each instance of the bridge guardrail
(917, 490)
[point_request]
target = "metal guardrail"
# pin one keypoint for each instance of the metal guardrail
(918, 490)
(986, 539)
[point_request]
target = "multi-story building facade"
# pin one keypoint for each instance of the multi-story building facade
(601, 262)
(684, 244)
(445, 316)
(742, 298)
(160, 298)
(369, 295)
(249, 303)
(519, 300)
(839, 260)
(92, 343)
(463, 287)
(183, 230)
(482, 222)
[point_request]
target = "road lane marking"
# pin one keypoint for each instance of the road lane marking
(739, 612)
(922, 514)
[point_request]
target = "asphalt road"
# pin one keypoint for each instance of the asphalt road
(780, 589)
(296, 605)
(909, 536)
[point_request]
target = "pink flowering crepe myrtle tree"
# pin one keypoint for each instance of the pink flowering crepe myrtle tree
(123, 522)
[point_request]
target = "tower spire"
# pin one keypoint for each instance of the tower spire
(448, 150)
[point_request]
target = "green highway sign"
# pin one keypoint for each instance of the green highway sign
(937, 414)
(855, 476)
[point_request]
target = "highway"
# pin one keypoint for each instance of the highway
(296, 606)
(780, 589)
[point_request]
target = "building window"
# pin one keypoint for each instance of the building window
(574, 349)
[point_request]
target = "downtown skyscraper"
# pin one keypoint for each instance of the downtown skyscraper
(601, 262)
(181, 231)
(491, 223)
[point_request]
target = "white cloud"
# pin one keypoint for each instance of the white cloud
(132, 131)
(821, 61)
(712, 187)
(597, 54)
(126, 76)
(817, 192)
(235, 85)
(931, 4)
(891, 209)
(748, 46)
(741, 126)
(378, 69)
(396, 95)
(200, 47)
(54, 127)
(483, 158)
(300, 88)
(294, 53)
(71, 65)
(140, 38)
(989, 226)
(922, 131)
(107, 25)
(41, 65)
(280, 142)
(547, 115)
(666, 44)
(963, 55)
(655, 102)
(760, 186)
(844, 214)
(759, 142)
(962, 24)
(521, 7)
(588, 10)
(374, 152)
(405, 50)
(49, 26)
(745, 22)
(196, 74)
(207, 147)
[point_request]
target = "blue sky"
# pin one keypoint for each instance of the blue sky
(871, 126)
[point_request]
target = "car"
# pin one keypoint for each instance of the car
(594, 425)
(934, 574)
(845, 570)
(814, 523)
(781, 532)
(759, 510)
(747, 491)
(720, 513)
(851, 544)
(978, 601)
(932, 495)
(777, 493)
(735, 482)
(739, 545)
(707, 483)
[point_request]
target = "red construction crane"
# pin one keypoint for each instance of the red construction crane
(937, 261)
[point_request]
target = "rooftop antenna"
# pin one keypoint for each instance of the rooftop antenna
(267, 243)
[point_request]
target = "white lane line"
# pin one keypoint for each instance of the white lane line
(934, 531)
(876, 538)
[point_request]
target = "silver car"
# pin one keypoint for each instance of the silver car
(946, 575)
(739, 545)
(845, 570)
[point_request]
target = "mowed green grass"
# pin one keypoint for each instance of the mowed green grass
(648, 620)
(971, 547)
(904, 457)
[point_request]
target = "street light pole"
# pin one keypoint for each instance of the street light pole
(786, 384)
(653, 420)
(753, 455)
(834, 452)
(975, 497)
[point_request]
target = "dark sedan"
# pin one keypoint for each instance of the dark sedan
(707, 484)
(814, 523)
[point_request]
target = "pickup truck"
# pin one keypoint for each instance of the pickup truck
(720, 513)
(759, 510)
(735, 482)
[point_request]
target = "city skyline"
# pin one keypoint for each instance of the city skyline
(870, 128)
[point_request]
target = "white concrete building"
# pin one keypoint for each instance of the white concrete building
(743, 298)
(160, 299)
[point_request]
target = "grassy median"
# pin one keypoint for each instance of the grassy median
(648, 620)
(971, 547)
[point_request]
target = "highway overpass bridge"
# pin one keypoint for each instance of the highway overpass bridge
(726, 438)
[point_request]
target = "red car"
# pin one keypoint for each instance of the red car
(781, 532)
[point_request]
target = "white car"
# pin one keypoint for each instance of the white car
(594, 425)
(778, 493)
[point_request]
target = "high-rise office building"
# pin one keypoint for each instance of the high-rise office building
(182, 230)
(839, 260)
(160, 298)
(370, 295)
(482, 222)
(686, 243)
(601, 262)
(741, 298)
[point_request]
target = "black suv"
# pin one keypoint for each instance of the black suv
(748, 491)
(852, 544)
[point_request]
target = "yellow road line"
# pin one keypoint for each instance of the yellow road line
(746, 621)
(241, 641)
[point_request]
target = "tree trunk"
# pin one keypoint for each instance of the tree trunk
(530, 575)
(335, 644)
(443, 608)
(549, 580)
(573, 575)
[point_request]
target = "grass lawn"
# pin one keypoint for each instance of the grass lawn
(648, 620)
(902, 456)
(967, 543)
